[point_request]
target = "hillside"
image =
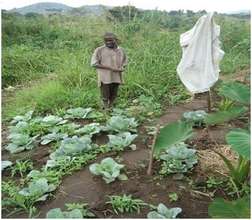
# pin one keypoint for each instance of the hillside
(96, 10)
(43, 8)
(49, 7)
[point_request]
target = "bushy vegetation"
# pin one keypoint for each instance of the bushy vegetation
(55, 51)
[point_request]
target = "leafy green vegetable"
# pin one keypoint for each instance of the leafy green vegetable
(52, 120)
(120, 141)
(225, 116)
(65, 129)
(52, 176)
(5, 164)
(221, 208)
(72, 146)
(24, 118)
(121, 124)
(172, 134)
(79, 211)
(20, 142)
(239, 140)
(56, 213)
(89, 129)
(178, 159)
(235, 91)
(164, 212)
(20, 127)
(126, 203)
(196, 117)
(38, 190)
(52, 137)
(108, 169)
(83, 207)
(78, 113)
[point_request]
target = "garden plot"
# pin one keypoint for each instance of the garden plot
(69, 179)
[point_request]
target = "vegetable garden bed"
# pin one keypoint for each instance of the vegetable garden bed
(192, 191)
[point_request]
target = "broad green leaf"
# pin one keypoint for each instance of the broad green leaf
(221, 208)
(55, 213)
(72, 146)
(108, 169)
(51, 120)
(121, 124)
(225, 116)
(25, 117)
(52, 137)
(235, 91)
(172, 134)
(76, 213)
(5, 164)
(178, 159)
(78, 112)
(121, 140)
(90, 129)
(239, 140)
(164, 212)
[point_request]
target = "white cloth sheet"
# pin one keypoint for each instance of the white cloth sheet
(199, 66)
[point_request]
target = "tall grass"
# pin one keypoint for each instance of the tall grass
(64, 47)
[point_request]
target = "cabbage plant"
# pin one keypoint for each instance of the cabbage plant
(164, 212)
(24, 118)
(52, 120)
(74, 210)
(89, 129)
(38, 190)
(72, 146)
(20, 142)
(178, 159)
(121, 124)
(52, 137)
(20, 127)
(5, 164)
(78, 113)
(108, 169)
(120, 141)
(195, 117)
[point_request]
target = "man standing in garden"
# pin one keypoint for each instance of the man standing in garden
(109, 61)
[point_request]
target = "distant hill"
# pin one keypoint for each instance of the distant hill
(239, 14)
(90, 10)
(49, 8)
(43, 8)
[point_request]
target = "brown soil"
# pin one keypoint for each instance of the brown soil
(83, 187)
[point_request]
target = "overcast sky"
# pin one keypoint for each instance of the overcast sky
(195, 5)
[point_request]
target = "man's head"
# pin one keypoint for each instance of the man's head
(110, 40)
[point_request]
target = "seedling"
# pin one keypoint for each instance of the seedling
(126, 204)
(21, 167)
(173, 197)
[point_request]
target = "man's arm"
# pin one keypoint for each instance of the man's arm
(100, 66)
